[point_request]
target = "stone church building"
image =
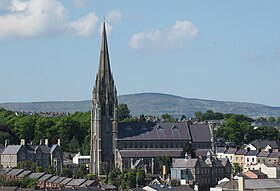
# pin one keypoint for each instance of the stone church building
(135, 144)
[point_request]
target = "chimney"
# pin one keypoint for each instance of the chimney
(31, 143)
(41, 141)
(7, 142)
(46, 142)
(58, 142)
(22, 142)
(241, 183)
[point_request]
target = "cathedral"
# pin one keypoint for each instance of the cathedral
(133, 144)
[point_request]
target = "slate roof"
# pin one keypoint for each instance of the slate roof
(164, 188)
(153, 131)
(252, 153)
(201, 152)
(220, 149)
(241, 152)
(263, 154)
(200, 133)
(52, 179)
(76, 182)
(164, 131)
(183, 163)
(65, 181)
(257, 172)
(224, 161)
(230, 151)
(262, 183)
(150, 153)
(261, 144)
(274, 155)
(24, 173)
(11, 149)
(60, 179)
(36, 175)
(14, 172)
(5, 170)
(87, 183)
(45, 177)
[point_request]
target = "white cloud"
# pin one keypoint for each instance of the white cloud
(84, 26)
(162, 40)
(113, 16)
(29, 18)
(79, 3)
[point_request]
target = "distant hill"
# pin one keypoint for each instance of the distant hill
(153, 104)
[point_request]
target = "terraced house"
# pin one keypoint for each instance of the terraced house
(42, 154)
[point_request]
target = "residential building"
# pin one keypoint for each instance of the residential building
(42, 154)
(255, 174)
(204, 173)
(270, 169)
(248, 185)
(79, 159)
(250, 159)
(229, 153)
(239, 157)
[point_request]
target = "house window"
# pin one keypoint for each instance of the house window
(247, 159)
(236, 158)
(253, 160)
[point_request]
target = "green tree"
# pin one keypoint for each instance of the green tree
(74, 145)
(123, 112)
(198, 116)
(272, 119)
(41, 126)
(188, 149)
(236, 168)
(27, 165)
(140, 177)
(167, 118)
(164, 161)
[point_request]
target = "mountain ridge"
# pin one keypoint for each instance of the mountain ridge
(153, 104)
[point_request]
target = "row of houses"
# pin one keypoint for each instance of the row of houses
(44, 154)
(262, 155)
(47, 180)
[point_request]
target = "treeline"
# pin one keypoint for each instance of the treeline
(72, 130)
(238, 128)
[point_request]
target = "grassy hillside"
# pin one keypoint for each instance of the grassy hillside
(154, 104)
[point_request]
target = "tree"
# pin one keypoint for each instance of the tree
(140, 177)
(236, 168)
(188, 149)
(123, 112)
(164, 161)
(272, 119)
(198, 116)
(27, 165)
(167, 118)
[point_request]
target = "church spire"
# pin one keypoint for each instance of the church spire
(104, 72)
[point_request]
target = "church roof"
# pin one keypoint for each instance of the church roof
(163, 131)
(150, 153)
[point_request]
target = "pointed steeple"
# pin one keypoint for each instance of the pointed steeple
(104, 72)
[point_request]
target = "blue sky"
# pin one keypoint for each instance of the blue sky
(218, 50)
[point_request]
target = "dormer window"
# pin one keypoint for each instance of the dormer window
(174, 127)
(159, 127)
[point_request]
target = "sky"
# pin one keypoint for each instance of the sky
(217, 50)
